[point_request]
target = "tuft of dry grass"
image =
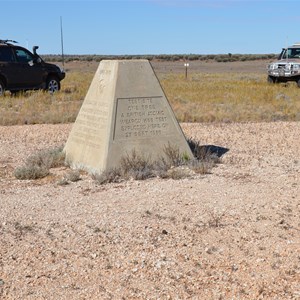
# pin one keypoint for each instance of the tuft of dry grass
(201, 166)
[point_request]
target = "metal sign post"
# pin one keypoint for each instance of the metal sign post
(186, 68)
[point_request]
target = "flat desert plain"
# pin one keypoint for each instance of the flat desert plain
(231, 234)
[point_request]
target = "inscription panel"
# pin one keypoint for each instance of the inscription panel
(90, 124)
(92, 119)
(143, 117)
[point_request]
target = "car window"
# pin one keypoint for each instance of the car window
(23, 56)
(6, 54)
(295, 53)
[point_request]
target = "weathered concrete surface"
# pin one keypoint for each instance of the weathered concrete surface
(125, 109)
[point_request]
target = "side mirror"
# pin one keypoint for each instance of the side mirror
(36, 60)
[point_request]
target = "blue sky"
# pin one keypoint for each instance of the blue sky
(152, 26)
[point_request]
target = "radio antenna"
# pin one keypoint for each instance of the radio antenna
(62, 42)
(287, 48)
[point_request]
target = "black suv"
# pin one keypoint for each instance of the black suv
(21, 70)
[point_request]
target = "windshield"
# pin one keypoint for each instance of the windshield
(290, 53)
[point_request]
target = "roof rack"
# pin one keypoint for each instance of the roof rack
(7, 42)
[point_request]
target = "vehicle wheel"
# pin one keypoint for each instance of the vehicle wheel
(271, 79)
(298, 82)
(53, 85)
(2, 88)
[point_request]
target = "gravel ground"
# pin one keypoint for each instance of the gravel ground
(231, 234)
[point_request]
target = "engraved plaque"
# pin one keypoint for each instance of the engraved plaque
(141, 117)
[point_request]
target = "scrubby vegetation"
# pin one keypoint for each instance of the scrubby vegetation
(171, 164)
(38, 164)
(134, 165)
(165, 57)
(202, 97)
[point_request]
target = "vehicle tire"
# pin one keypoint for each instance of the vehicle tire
(272, 79)
(298, 82)
(2, 88)
(52, 85)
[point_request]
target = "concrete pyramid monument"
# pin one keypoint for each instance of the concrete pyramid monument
(125, 109)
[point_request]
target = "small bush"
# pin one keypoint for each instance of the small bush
(140, 174)
(136, 166)
(39, 159)
(177, 173)
(173, 155)
(31, 172)
(56, 155)
(73, 176)
(108, 176)
(38, 164)
(63, 181)
(201, 166)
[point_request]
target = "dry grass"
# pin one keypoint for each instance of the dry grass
(203, 97)
(38, 107)
(231, 98)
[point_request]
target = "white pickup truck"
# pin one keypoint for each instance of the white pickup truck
(287, 67)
